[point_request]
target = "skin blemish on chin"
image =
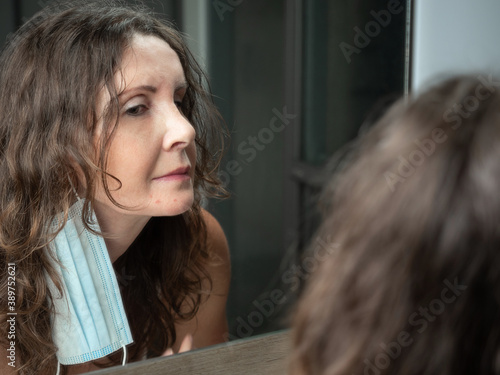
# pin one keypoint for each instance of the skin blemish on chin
(158, 201)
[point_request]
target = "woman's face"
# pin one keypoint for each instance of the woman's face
(152, 151)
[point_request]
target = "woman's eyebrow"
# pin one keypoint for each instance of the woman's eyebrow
(138, 88)
(152, 89)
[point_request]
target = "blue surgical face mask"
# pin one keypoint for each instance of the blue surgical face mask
(89, 321)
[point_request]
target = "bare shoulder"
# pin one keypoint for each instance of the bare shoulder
(210, 324)
(217, 245)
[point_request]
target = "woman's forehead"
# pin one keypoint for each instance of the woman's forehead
(149, 60)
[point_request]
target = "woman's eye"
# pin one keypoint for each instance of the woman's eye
(136, 110)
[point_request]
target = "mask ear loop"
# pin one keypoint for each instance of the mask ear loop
(58, 367)
(124, 355)
(73, 188)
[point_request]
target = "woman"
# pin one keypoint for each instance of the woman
(414, 286)
(106, 129)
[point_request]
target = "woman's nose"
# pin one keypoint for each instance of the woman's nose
(179, 133)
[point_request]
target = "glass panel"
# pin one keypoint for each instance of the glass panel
(246, 73)
(354, 57)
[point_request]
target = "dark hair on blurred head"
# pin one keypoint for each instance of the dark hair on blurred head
(414, 286)
(51, 73)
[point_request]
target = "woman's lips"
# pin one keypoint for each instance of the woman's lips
(179, 174)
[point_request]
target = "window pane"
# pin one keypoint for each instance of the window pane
(353, 59)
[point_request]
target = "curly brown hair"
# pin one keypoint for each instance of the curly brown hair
(51, 72)
(413, 287)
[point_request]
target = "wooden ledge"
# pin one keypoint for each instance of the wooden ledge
(260, 355)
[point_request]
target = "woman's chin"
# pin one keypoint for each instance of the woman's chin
(174, 208)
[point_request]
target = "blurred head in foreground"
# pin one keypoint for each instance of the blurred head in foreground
(414, 284)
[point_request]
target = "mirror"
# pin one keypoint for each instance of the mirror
(294, 80)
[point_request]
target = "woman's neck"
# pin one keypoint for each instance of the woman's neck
(119, 229)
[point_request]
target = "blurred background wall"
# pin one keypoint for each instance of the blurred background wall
(454, 36)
